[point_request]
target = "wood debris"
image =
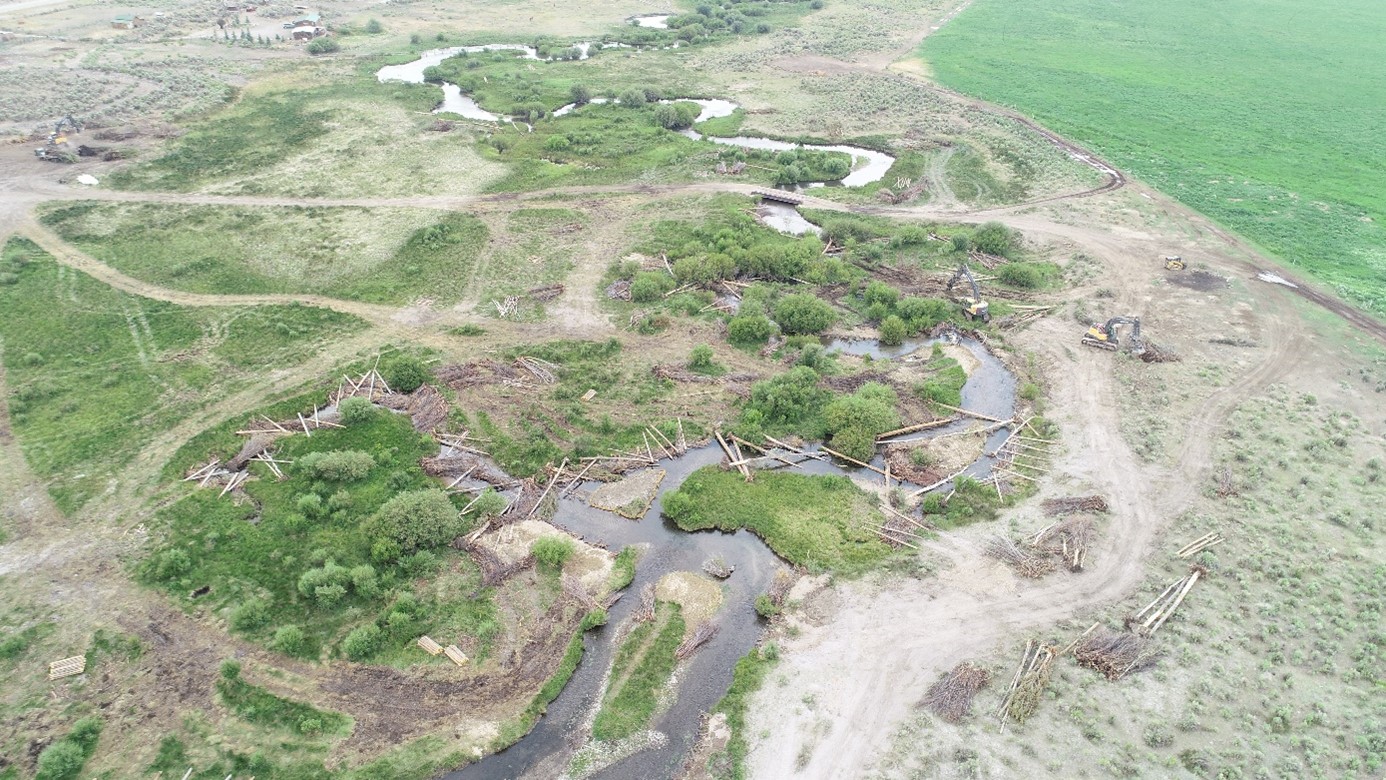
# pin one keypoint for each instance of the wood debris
(574, 589)
(618, 290)
(429, 646)
(717, 567)
(644, 613)
(542, 370)
(705, 631)
(1164, 605)
(455, 654)
(1027, 686)
(951, 697)
(1200, 544)
(1067, 539)
(1074, 504)
(67, 667)
(545, 293)
(1027, 563)
(1115, 654)
(507, 308)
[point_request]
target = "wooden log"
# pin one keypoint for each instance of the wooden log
(1074, 644)
(1157, 600)
(455, 655)
(304, 423)
(1195, 543)
(547, 488)
(1203, 547)
(431, 647)
(916, 428)
(1177, 600)
(837, 454)
(971, 413)
(892, 510)
(940, 483)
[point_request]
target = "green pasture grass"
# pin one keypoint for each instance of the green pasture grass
(642, 666)
(95, 373)
(382, 255)
(813, 521)
(1260, 114)
(747, 677)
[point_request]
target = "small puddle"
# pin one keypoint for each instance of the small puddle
(653, 21)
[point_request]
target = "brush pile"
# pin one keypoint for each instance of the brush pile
(1067, 539)
(716, 567)
(1154, 353)
(1027, 687)
(705, 631)
(426, 407)
(618, 290)
(546, 293)
(574, 589)
(542, 370)
(951, 697)
(645, 612)
(779, 588)
(1026, 562)
(494, 571)
(1115, 654)
(1074, 504)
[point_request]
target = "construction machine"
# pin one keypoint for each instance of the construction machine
(974, 308)
(1107, 336)
(1174, 263)
(58, 149)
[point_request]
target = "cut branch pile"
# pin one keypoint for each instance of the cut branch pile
(1154, 353)
(705, 631)
(1074, 504)
(951, 697)
(899, 529)
(545, 293)
(1116, 654)
(645, 612)
(989, 262)
(1227, 485)
(1068, 539)
(676, 373)
(494, 571)
(618, 290)
(1022, 456)
(575, 590)
(1027, 687)
(1164, 605)
(541, 370)
(1027, 563)
(780, 587)
(1199, 545)
(508, 307)
(371, 385)
(426, 407)
(904, 191)
(717, 567)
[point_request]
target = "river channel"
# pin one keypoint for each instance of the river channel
(703, 679)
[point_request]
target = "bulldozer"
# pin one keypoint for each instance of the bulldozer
(1174, 263)
(974, 308)
(58, 149)
(1107, 335)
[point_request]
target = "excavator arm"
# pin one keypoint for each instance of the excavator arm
(974, 307)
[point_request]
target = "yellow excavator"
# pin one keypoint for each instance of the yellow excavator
(1174, 263)
(974, 308)
(58, 149)
(1107, 335)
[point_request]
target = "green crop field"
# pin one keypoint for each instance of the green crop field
(1263, 114)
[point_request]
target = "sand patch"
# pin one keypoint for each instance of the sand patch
(591, 565)
(630, 497)
(985, 577)
(697, 595)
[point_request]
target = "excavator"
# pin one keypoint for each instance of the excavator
(1106, 335)
(974, 308)
(57, 149)
(1174, 263)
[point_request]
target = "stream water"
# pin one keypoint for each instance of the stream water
(868, 165)
(704, 678)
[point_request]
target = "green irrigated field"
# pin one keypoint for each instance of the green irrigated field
(1264, 114)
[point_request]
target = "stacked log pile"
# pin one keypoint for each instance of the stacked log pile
(1027, 686)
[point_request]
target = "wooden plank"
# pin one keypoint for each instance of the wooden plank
(66, 667)
(431, 647)
(455, 655)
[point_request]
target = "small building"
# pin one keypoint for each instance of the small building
(308, 33)
(308, 20)
(126, 22)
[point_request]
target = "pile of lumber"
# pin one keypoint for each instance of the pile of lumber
(429, 646)
(989, 262)
(1200, 544)
(1026, 562)
(1022, 456)
(705, 631)
(657, 445)
(1027, 686)
(1227, 485)
(951, 697)
(1074, 504)
(1068, 539)
(904, 191)
(67, 667)
(1115, 654)
(1164, 605)
(370, 385)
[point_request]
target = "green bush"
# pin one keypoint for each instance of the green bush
(748, 329)
(700, 359)
(288, 640)
(788, 399)
(1021, 275)
(336, 466)
(374, 27)
(649, 286)
(765, 607)
(552, 551)
(406, 373)
(893, 331)
(856, 420)
(623, 568)
(633, 98)
(230, 669)
(362, 642)
(60, 761)
(994, 238)
(356, 410)
(880, 292)
(250, 615)
(324, 45)
(416, 520)
(804, 313)
(172, 564)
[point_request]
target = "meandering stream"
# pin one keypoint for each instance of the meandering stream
(868, 165)
(704, 678)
